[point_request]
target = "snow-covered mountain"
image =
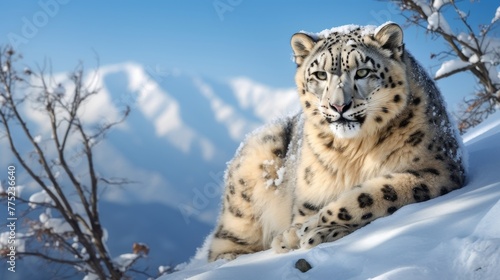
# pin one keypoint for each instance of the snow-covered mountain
(456, 236)
(180, 133)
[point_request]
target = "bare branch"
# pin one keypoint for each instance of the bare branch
(44, 94)
(117, 181)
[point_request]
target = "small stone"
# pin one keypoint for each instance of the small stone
(302, 265)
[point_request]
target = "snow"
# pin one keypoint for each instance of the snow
(497, 15)
(162, 269)
(39, 198)
(281, 176)
(344, 29)
(43, 217)
(37, 138)
(462, 14)
(378, 28)
(6, 239)
(474, 58)
(91, 276)
(451, 65)
(59, 90)
(437, 21)
(439, 3)
(424, 6)
(125, 260)
(57, 225)
(491, 57)
(456, 236)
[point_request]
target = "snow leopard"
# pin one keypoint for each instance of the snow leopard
(372, 136)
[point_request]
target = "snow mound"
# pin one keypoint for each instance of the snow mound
(456, 236)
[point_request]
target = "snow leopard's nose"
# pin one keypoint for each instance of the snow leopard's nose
(342, 108)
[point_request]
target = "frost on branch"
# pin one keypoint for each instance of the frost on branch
(19, 242)
(497, 15)
(437, 4)
(451, 66)
(124, 261)
(38, 198)
(437, 21)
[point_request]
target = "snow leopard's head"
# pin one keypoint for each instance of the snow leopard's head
(352, 79)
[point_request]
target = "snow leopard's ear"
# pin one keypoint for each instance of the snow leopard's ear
(390, 37)
(302, 44)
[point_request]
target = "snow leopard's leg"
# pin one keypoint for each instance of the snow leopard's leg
(376, 198)
(256, 205)
(289, 239)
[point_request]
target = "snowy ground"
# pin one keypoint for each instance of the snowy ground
(456, 236)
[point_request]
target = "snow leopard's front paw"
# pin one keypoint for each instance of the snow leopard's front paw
(307, 232)
(287, 240)
(313, 232)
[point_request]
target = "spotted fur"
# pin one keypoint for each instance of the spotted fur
(373, 136)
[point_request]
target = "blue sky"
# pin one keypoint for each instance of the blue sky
(219, 39)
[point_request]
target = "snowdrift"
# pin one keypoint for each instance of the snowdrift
(456, 236)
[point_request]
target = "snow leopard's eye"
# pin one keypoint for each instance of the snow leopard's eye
(320, 75)
(361, 73)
